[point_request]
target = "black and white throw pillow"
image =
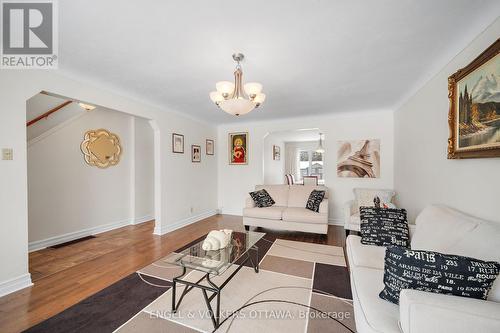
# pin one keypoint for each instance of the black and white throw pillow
(262, 198)
(384, 226)
(314, 200)
(436, 272)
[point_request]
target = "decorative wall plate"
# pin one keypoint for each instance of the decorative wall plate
(101, 148)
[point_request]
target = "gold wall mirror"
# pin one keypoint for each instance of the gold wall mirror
(101, 148)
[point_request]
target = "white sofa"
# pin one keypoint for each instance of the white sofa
(288, 212)
(441, 229)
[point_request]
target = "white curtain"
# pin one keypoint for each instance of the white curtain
(291, 160)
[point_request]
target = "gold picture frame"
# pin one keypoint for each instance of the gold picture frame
(238, 148)
(474, 117)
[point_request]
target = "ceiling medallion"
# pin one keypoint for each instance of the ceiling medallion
(235, 98)
(101, 148)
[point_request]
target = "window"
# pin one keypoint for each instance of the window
(311, 163)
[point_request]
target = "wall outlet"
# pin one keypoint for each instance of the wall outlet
(7, 154)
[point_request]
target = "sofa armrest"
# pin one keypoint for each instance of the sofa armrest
(323, 206)
(249, 203)
(421, 311)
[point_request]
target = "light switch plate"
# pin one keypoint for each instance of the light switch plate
(7, 154)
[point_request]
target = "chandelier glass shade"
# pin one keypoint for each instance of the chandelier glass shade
(235, 98)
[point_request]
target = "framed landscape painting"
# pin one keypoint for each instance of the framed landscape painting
(238, 148)
(474, 115)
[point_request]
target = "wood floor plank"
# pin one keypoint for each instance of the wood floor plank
(65, 276)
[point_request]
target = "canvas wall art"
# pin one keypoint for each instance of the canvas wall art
(474, 114)
(358, 159)
(238, 148)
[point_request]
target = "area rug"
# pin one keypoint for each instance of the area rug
(301, 287)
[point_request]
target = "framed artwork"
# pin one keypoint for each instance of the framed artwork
(276, 153)
(210, 147)
(177, 143)
(238, 148)
(358, 159)
(474, 114)
(195, 154)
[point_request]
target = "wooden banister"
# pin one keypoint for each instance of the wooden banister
(48, 113)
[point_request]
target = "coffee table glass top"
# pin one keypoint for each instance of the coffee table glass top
(215, 262)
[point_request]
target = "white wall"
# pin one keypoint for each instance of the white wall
(186, 191)
(235, 181)
(424, 175)
(274, 170)
(67, 197)
(144, 171)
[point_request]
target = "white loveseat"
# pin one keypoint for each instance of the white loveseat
(288, 212)
(441, 229)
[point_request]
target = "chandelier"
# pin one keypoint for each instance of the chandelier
(235, 98)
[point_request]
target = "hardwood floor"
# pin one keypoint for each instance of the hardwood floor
(65, 276)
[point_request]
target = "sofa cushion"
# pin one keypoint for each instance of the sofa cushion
(440, 227)
(262, 198)
(436, 272)
(271, 213)
(364, 255)
(279, 193)
(379, 315)
(482, 243)
(315, 199)
(299, 194)
(296, 214)
(384, 227)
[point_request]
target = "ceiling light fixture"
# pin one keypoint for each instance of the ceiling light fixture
(320, 148)
(87, 107)
(235, 98)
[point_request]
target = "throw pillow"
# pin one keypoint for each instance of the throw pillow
(314, 200)
(367, 197)
(384, 227)
(262, 198)
(436, 272)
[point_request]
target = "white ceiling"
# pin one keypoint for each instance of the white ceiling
(313, 57)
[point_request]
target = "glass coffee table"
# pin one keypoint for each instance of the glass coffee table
(213, 263)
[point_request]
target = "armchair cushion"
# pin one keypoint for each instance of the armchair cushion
(423, 312)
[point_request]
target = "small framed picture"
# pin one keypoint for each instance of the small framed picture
(238, 148)
(195, 154)
(210, 147)
(178, 143)
(276, 153)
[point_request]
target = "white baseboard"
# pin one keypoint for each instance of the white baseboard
(339, 222)
(146, 218)
(162, 230)
(15, 284)
(42, 244)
